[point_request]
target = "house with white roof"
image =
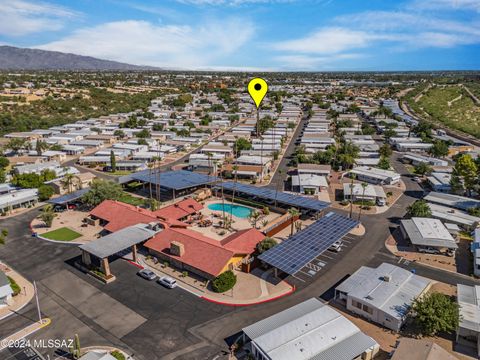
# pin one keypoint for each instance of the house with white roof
(383, 295)
(310, 184)
(468, 332)
(357, 192)
(427, 233)
(309, 330)
(6, 291)
(375, 175)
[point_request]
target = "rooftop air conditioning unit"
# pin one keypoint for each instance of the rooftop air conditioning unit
(387, 278)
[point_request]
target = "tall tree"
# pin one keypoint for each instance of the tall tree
(465, 174)
(435, 313)
(419, 208)
(69, 181)
(113, 162)
(293, 214)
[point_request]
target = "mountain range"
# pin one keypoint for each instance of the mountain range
(15, 58)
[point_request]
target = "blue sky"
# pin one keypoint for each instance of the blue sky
(288, 35)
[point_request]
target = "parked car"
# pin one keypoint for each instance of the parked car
(336, 246)
(167, 282)
(72, 206)
(59, 208)
(147, 274)
(428, 250)
(417, 179)
(381, 202)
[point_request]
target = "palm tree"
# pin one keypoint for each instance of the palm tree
(235, 169)
(253, 217)
(150, 167)
(293, 214)
(69, 181)
(47, 215)
(353, 177)
(280, 172)
(40, 146)
(364, 187)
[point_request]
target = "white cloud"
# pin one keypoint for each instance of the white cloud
(326, 41)
(446, 5)
(141, 42)
(313, 62)
(232, 2)
(19, 17)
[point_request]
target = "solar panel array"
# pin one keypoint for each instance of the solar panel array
(294, 253)
(61, 200)
(281, 197)
(177, 180)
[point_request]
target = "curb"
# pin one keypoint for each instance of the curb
(292, 290)
(135, 264)
(428, 265)
(45, 323)
(50, 240)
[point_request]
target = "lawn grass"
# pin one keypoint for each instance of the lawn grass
(132, 200)
(62, 234)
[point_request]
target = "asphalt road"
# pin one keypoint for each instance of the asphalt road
(177, 325)
(279, 178)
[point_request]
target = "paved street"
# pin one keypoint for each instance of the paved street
(169, 324)
(279, 178)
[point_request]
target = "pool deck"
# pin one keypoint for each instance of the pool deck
(235, 207)
(214, 231)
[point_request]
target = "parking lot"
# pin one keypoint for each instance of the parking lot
(318, 265)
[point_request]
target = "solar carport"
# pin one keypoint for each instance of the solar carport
(293, 254)
(112, 244)
(173, 182)
(68, 198)
(276, 197)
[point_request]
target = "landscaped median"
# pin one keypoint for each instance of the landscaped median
(62, 234)
(250, 288)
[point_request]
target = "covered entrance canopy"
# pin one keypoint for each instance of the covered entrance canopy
(116, 242)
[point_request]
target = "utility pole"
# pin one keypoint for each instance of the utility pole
(38, 303)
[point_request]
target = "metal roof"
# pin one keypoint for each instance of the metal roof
(119, 240)
(394, 297)
(64, 199)
(309, 330)
(177, 180)
(293, 254)
(428, 232)
(456, 201)
(468, 298)
(281, 197)
(17, 197)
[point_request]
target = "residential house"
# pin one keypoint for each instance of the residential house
(382, 295)
(428, 233)
(309, 330)
(468, 332)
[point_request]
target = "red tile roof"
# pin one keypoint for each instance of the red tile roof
(179, 210)
(243, 242)
(120, 215)
(201, 252)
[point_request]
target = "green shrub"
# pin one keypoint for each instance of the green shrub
(225, 281)
(15, 287)
(117, 355)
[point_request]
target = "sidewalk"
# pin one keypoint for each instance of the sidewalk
(20, 300)
(250, 289)
(19, 335)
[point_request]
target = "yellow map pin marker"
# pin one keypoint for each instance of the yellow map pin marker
(257, 88)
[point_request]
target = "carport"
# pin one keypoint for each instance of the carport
(97, 252)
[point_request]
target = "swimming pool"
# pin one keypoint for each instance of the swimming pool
(236, 210)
